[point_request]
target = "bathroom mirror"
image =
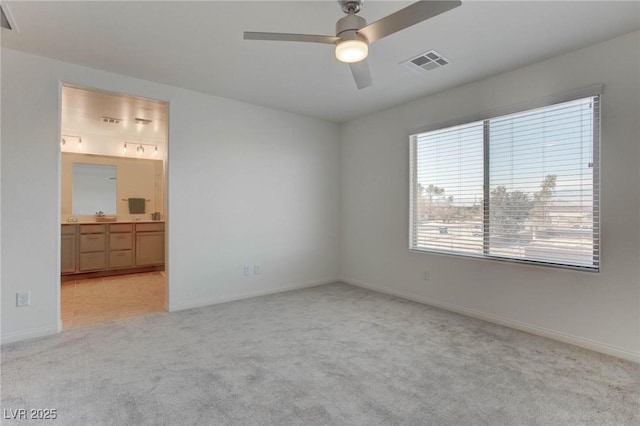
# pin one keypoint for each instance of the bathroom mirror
(94, 189)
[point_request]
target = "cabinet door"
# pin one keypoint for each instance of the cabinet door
(149, 248)
(68, 254)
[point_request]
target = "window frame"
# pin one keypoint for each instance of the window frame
(582, 93)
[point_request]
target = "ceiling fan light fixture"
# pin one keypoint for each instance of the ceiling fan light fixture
(353, 34)
(351, 51)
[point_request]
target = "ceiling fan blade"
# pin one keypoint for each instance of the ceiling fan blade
(404, 18)
(307, 38)
(361, 74)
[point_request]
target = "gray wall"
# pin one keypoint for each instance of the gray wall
(600, 311)
(246, 185)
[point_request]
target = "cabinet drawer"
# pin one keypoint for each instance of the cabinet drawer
(92, 229)
(92, 261)
(120, 227)
(120, 241)
(92, 242)
(149, 227)
(68, 230)
(120, 259)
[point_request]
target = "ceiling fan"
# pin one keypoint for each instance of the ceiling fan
(353, 35)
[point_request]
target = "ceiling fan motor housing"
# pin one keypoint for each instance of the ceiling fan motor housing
(347, 26)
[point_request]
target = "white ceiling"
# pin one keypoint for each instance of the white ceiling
(82, 111)
(199, 45)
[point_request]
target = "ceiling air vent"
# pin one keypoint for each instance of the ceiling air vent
(426, 62)
(111, 120)
(143, 121)
(5, 22)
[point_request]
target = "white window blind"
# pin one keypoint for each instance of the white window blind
(523, 187)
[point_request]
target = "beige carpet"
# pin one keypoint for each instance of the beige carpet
(328, 355)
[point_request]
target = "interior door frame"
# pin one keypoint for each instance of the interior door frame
(62, 84)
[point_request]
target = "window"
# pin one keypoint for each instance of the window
(522, 186)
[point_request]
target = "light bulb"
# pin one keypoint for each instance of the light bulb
(351, 51)
(155, 151)
(125, 148)
(79, 143)
(140, 149)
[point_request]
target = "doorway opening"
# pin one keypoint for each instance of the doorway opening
(113, 204)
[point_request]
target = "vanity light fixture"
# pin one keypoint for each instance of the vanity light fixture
(140, 150)
(65, 137)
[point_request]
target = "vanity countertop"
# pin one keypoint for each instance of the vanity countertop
(85, 222)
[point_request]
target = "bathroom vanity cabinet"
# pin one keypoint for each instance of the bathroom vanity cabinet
(104, 247)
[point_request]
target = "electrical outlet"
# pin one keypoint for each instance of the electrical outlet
(23, 299)
(246, 270)
(256, 269)
(426, 275)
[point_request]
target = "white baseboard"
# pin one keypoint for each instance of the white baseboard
(190, 304)
(518, 325)
(30, 334)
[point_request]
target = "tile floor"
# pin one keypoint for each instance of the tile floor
(97, 300)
